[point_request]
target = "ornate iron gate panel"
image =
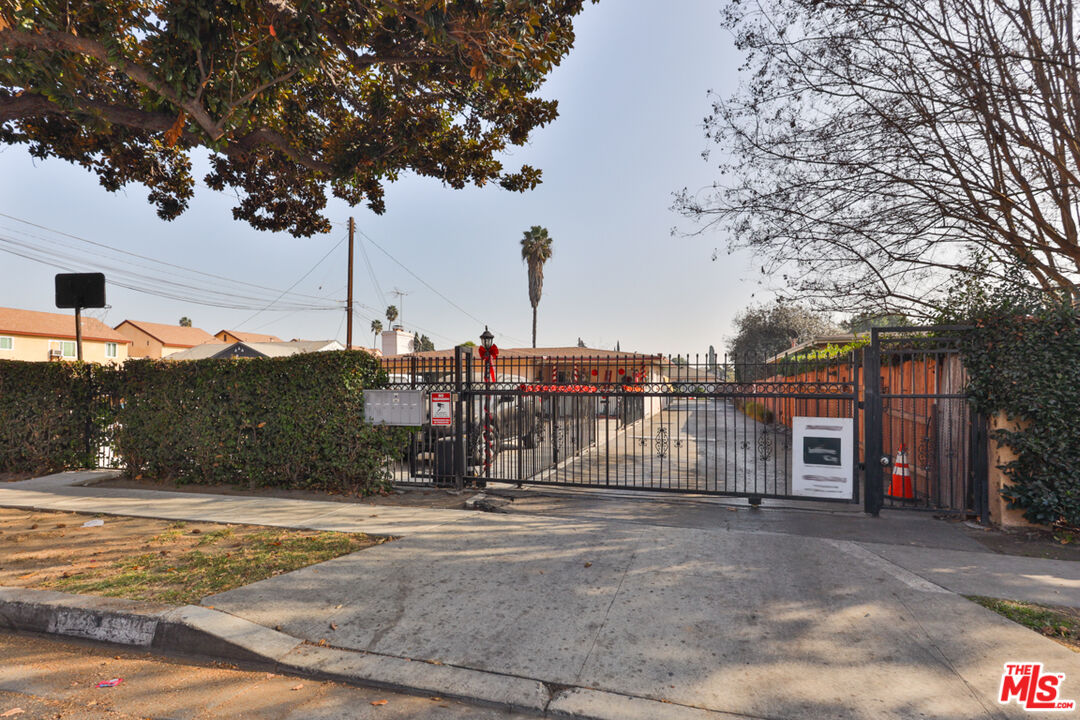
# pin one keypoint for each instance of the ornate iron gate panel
(638, 422)
(647, 422)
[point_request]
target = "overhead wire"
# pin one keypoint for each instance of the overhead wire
(142, 283)
(341, 292)
(109, 248)
(371, 272)
(147, 279)
(432, 289)
(426, 331)
(301, 279)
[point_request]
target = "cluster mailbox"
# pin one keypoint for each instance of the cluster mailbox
(394, 407)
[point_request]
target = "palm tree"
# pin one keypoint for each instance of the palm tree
(535, 251)
(391, 314)
(376, 328)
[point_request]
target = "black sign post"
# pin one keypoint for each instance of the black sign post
(80, 290)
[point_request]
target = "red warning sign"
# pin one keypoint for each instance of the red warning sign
(440, 409)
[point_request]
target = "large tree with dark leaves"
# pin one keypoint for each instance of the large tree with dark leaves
(291, 98)
(876, 147)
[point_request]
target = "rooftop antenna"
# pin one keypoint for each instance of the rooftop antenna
(401, 303)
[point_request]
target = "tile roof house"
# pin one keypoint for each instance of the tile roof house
(43, 336)
(544, 367)
(550, 364)
(232, 336)
(156, 340)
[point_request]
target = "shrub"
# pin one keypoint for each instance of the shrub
(292, 422)
(757, 411)
(45, 414)
(1022, 359)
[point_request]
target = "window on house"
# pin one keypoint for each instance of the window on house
(66, 347)
(110, 350)
(7, 343)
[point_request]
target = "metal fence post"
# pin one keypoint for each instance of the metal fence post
(459, 421)
(873, 489)
(857, 404)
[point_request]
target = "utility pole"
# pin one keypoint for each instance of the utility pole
(348, 303)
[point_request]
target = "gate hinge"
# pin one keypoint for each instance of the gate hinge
(861, 404)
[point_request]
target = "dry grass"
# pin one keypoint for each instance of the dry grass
(154, 560)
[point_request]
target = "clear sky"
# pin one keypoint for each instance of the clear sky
(632, 97)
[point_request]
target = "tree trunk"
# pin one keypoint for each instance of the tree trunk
(534, 326)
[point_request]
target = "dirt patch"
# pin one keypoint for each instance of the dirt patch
(154, 560)
(418, 497)
(1028, 542)
(15, 477)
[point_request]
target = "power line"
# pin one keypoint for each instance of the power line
(432, 289)
(126, 252)
(371, 274)
(295, 312)
(424, 330)
(143, 283)
(302, 277)
(61, 253)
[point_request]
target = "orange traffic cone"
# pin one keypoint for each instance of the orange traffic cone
(900, 487)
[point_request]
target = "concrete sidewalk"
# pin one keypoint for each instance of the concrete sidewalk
(621, 619)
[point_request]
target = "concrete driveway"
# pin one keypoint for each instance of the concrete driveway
(643, 609)
(752, 623)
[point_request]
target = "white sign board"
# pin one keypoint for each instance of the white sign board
(440, 409)
(823, 458)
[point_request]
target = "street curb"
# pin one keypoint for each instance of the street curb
(205, 632)
(586, 704)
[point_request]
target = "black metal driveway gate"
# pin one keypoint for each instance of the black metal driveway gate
(627, 421)
(715, 426)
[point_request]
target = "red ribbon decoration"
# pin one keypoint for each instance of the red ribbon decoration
(489, 356)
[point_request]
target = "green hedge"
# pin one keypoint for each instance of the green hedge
(1027, 365)
(292, 422)
(812, 360)
(1022, 353)
(44, 415)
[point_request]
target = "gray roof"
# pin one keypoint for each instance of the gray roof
(281, 349)
(255, 349)
(199, 352)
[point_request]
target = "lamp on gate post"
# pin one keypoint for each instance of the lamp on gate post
(488, 352)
